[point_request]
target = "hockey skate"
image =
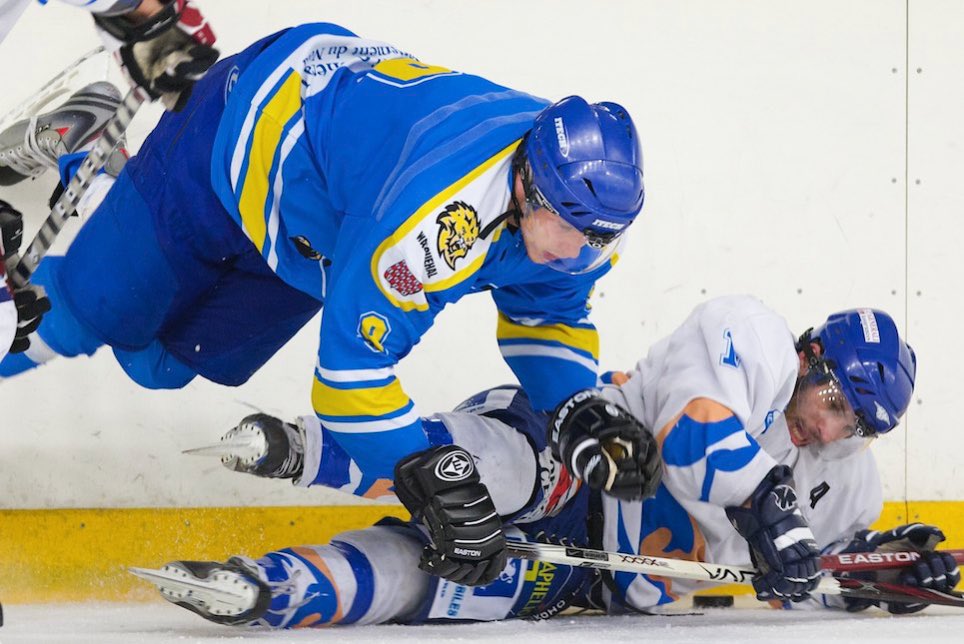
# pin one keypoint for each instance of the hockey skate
(225, 593)
(32, 145)
(261, 445)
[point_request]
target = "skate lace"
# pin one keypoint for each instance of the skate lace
(35, 155)
(290, 587)
(294, 461)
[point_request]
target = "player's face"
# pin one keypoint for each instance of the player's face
(819, 414)
(548, 236)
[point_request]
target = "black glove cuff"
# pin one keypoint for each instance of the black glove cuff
(423, 475)
(11, 229)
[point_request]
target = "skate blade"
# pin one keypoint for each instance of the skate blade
(211, 596)
(241, 448)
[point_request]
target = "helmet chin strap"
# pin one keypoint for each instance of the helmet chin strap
(805, 345)
(815, 362)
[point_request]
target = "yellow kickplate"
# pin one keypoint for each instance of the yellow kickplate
(81, 555)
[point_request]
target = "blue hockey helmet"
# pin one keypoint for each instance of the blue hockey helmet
(873, 366)
(586, 166)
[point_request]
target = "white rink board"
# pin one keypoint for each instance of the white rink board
(935, 267)
(776, 160)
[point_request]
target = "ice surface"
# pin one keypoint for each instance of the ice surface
(157, 622)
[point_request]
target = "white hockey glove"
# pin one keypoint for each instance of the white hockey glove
(165, 55)
(606, 447)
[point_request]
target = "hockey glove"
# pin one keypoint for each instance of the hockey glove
(935, 570)
(11, 229)
(606, 447)
(31, 301)
(782, 546)
(441, 488)
(166, 54)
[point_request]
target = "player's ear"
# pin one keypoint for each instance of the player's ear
(816, 348)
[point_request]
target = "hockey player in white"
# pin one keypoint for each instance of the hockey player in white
(164, 47)
(742, 415)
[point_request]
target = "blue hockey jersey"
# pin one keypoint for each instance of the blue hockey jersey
(376, 183)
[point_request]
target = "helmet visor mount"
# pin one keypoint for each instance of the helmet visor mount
(598, 247)
(830, 393)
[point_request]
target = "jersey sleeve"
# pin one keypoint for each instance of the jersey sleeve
(733, 361)
(356, 394)
(546, 337)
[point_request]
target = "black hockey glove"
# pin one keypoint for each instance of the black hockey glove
(782, 546)
(165, 55)
(11, 229)
(442, 489)
(935, 570)
(31, 301)
(606, 447)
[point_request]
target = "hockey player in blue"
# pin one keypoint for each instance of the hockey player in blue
(809, 408)
(318, 169)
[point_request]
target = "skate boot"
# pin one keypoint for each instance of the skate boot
(30, 146)
(261, 445)
(229, 593)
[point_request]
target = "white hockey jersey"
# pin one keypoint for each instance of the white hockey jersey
(736, 352)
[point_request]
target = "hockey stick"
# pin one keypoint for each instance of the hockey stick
(20, 268)
(719, 573)
(866, 561)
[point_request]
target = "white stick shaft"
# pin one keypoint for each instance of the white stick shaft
(645, 565)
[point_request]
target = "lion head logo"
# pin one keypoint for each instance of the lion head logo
(458, 231)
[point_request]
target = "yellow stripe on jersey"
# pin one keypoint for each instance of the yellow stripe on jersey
(264, 142)
(428, 209)
(365, 401)
(409, 69)
(586, 340)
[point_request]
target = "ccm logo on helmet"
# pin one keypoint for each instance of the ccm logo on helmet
(457, 466)
(609, 225)
(561, 136)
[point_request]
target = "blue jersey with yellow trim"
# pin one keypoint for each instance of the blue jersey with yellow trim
(376, 183)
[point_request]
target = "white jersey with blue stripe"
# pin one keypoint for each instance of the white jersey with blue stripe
(377, 183)
(739, 354)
